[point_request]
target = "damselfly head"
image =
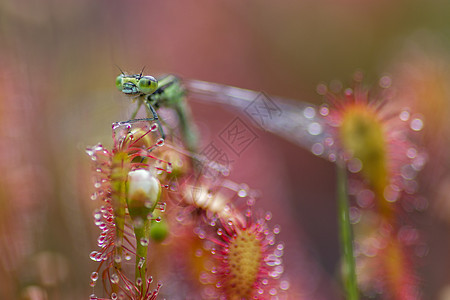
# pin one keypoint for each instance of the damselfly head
(136, 84)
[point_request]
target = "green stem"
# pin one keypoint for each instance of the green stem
(346, 239)
(142, 233)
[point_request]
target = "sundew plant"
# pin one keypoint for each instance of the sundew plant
(174, 226)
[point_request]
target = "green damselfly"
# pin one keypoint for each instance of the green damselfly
(299, 122)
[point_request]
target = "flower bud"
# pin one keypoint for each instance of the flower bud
(144, 191)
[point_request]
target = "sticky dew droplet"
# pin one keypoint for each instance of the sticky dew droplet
(162, 206)
(277, 229)
(314, 128)
(354, 165)
(317, 149)
(385, 82)
(144, 242)
(160, 142)
(94, 276)
(404, 115)
(141, 262)
(118, 259)
(242, 193)
(139, 281)
(114, 278)
(309, 112)
(321, 89)
(416, 124)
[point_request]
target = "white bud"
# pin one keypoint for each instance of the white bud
(144, 189)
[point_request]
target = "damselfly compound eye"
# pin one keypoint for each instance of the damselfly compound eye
(147, 84)
(119, 84)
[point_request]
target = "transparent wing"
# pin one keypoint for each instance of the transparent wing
(296, 121)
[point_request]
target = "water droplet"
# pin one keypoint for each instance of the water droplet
(317, 149)
(219, 231)
(160, 142)
(118, 259)
(348, 91)
(365, 198)
(127, 256)
(162, 206)
(309, 112)
(284, 285)
(385, 82)
(93, 255)
(391, 193)
(114, 278)
(277, 229)
(332, 157)
(321, 89)
(97, 185)
(97, 214)
(101, 241)
(169, 168)
(268, 216)
(149, 279)
(242, 193)
(144, 242)
(404, 115)
(411, 153)
(314, 128)
(324, 110)
(199, 253)
(416, 124)
(248, 213)
(158, 219)
(355, 215)
(114, 296)
(354, 165)
(138, 281)
(141, 262)
(329, 141)
(93, 297)
(94, 276)
(154, 127)
(408, 172)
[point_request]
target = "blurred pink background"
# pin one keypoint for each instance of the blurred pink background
(58, 62)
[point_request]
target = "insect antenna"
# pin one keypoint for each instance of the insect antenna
(119, 69)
